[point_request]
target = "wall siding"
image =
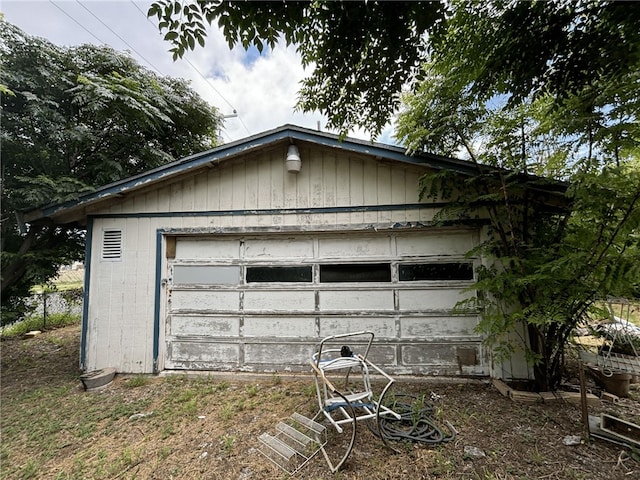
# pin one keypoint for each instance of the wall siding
(260, 182)
(255, 194)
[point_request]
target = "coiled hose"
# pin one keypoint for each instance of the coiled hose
(416, 423)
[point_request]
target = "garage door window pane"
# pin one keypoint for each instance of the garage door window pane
(365, 272)
(279, 274)
(436, 271)
(205, 275)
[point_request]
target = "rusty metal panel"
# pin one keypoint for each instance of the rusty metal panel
(216, 326)
(204, 300)
(279, 326)
(356, 300)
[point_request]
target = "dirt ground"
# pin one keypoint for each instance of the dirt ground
(178, 427)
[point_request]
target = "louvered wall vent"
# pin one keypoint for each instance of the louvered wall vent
(112, 245)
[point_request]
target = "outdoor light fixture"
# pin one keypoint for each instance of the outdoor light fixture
(293, 160)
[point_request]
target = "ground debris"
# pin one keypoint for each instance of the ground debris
(572, 440)
(473, 452)
(73, 435)
(137, 416)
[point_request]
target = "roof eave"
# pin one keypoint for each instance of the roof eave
(75, 210)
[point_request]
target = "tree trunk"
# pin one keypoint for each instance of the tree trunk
(15, 269)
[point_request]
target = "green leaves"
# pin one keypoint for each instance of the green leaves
(41, 189)
(362, 53)
(554, 262)
(78, 118)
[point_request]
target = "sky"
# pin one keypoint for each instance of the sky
(256, 92)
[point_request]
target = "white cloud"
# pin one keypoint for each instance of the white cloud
(263, 90)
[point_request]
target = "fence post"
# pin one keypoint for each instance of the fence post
(44, 309)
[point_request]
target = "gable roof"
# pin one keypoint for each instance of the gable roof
(285, 133)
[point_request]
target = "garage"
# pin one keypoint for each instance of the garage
(260, 303)
(242, 258)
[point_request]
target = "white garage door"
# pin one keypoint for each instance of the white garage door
(260, 303)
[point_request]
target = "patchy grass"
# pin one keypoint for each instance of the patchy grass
(206, 427)
(54, 321)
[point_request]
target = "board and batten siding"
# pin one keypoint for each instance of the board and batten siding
(255, 195)
(260, 182)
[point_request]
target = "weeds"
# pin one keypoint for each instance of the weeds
(536, 457)
(30, 470)
(227, 412)
(54, 320)
(138, 381)
(51, 428)
(228, 441)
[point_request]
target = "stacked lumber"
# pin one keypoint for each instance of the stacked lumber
(542, 397)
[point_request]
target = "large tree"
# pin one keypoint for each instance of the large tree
(542, 87)
(567, 109)
(73, 119)
(362, 53)
(555, 261)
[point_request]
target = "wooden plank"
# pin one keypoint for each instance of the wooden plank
(171, 247)
(550, 397)
(525, 397)
(627, 431)
(326, 381)
(502, 387)
(574, 398)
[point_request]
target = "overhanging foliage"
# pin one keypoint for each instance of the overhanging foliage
(73, 119)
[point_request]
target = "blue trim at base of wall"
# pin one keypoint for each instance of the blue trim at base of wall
(85, 295)
(156, 303)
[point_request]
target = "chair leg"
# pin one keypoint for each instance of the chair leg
(336, 455)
